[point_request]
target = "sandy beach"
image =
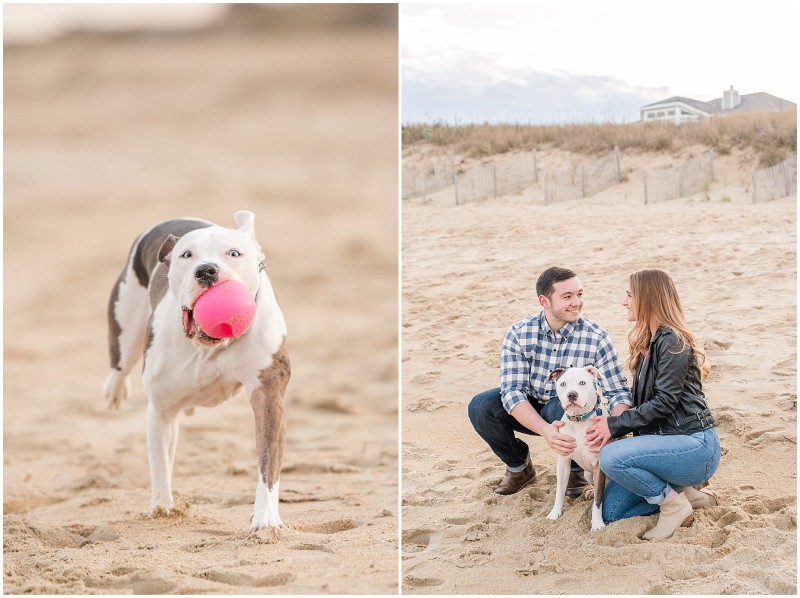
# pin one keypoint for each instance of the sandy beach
(106, 136)
(469, 272)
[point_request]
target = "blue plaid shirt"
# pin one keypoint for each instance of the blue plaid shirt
(532, 350)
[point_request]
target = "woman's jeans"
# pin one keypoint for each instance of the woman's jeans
(496, 426)
(642, 469)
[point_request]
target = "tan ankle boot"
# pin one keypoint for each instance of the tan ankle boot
(674, 514)
(699, 499)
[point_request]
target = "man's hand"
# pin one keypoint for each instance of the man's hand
(597, 435)
(560, 443)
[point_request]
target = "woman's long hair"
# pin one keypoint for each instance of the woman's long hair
(655, 296)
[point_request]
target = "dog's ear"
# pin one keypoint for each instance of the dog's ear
(165, 253)
(246, 222)
(593, 371)
(556, 374)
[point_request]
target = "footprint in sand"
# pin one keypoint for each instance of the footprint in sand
(415, 583)
(429, 405)
(758, 437)
(326, 527)
(148, 582)
(426, 378)
(74, 536)
(234, 578)
(786, 367)
(416, 540)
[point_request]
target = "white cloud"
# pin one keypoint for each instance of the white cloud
(694, 49)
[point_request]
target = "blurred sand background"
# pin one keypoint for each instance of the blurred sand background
(469, 272)
(290, 113)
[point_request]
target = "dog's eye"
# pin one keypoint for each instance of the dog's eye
(186, 254)
(582, 383)
(563, 384)
(234, 253)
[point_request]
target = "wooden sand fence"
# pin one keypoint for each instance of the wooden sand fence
(506, 176)
(779, 180)
(690, 177)
(432, 176)
(583, 181)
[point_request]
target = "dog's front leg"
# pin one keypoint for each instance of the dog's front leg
(562, 478)
(270, 435)
(597, 503)
(162, 438)
(270, 419)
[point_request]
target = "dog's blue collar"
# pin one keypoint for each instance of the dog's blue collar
(597, 410)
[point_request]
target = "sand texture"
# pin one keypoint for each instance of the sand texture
(469, 272)
(103, 138)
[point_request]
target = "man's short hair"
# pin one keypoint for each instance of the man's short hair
(545, 285)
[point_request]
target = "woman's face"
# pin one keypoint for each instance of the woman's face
(628, 303)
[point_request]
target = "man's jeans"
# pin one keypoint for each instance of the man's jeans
(642, 469)
(494, 424)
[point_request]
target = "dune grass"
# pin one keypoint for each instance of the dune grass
(771, 135)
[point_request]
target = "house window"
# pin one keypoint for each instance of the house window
(651, 115)
(685, 113)
(660, 114)
(671, 113)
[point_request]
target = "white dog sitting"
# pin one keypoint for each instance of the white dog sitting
(578, 395)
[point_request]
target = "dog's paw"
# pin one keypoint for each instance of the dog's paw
(554, 514)
(597, 518)
(116, 389)
(274, 523)
(173, 512)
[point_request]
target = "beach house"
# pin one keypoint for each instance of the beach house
(678, 109)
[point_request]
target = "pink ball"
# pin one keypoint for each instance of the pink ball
(225, 310)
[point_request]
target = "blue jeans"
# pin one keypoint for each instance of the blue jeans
(642, 469)
(496, 426)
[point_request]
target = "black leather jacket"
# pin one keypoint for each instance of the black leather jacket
(670, 400)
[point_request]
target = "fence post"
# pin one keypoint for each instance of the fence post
(681, 177)
(545, 189)
(711, 164)
(494, 180)
(535, 173)
(645, 189)
(583, 182)
(616, 160)
(455, 178)
(786, 183)
(753, 179)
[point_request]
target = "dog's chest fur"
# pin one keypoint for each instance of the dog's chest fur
(581, 455)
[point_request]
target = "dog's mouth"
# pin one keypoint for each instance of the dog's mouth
(193, 332)
(574, 408)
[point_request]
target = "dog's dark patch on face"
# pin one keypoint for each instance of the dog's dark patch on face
(267, 402)
(145, 249)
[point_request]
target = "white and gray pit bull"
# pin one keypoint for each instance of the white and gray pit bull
(150, 311)
(577, 392)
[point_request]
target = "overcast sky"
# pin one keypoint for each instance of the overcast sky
(557, 61)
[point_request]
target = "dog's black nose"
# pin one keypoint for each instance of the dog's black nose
(572, 395)
(206, 274)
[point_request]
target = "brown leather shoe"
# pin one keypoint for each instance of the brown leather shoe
(516, 481)
(577, 483)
